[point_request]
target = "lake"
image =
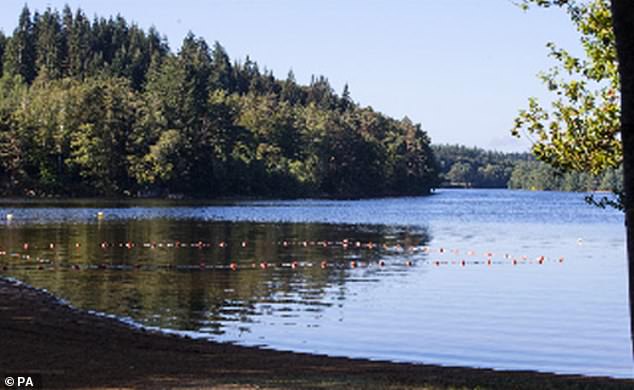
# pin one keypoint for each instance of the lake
(483, 278)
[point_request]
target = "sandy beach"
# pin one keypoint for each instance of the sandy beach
(73, 349)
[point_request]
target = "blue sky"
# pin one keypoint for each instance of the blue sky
(461, 68)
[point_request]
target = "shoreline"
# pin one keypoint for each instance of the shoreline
(72, 348)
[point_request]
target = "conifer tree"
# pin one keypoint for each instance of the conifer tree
(49, 46)
(3, 44)
(222, 73)
(19, 57)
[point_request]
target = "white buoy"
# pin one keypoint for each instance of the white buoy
(100, 215)
(9, 217)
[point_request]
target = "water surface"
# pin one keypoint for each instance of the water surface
(457, 278)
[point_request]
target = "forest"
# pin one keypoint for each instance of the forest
(102, 107)
(468, 167)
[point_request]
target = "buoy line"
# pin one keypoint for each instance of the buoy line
(444, 256)
(47, 264)
(344, 244)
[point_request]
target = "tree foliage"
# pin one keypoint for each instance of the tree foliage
(101, 107)
(537, 175)
(466, 167)
(580, 130)
(461, 166)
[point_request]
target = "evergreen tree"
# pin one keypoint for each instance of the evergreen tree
(291, 92)
(221, 73)
(3, 44)
(49, 46)
(19, 57)
(346, 101)
(78, 44)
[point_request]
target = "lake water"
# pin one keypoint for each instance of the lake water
(483, 278)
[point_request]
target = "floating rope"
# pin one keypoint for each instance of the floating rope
(487, 257)
(345, 244)
(46, 264)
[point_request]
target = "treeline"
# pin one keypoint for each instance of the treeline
(469, 167)
(103, 108)
(536, 175)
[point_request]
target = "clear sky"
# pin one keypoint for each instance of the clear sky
(461, 68)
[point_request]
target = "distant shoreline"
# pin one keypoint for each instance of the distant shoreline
(220, 199)
(233, 199)
(72, 348)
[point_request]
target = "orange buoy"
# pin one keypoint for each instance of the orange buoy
(409, 263)
(294, 265)
(233, 266)
(489, 262)
(77, 245)
(353, 264)
(324, 264)
(25, 246)
(463, 263)
(381, 263)
(244, 244)
(264, 265)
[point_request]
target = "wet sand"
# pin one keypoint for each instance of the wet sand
(74, 349)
